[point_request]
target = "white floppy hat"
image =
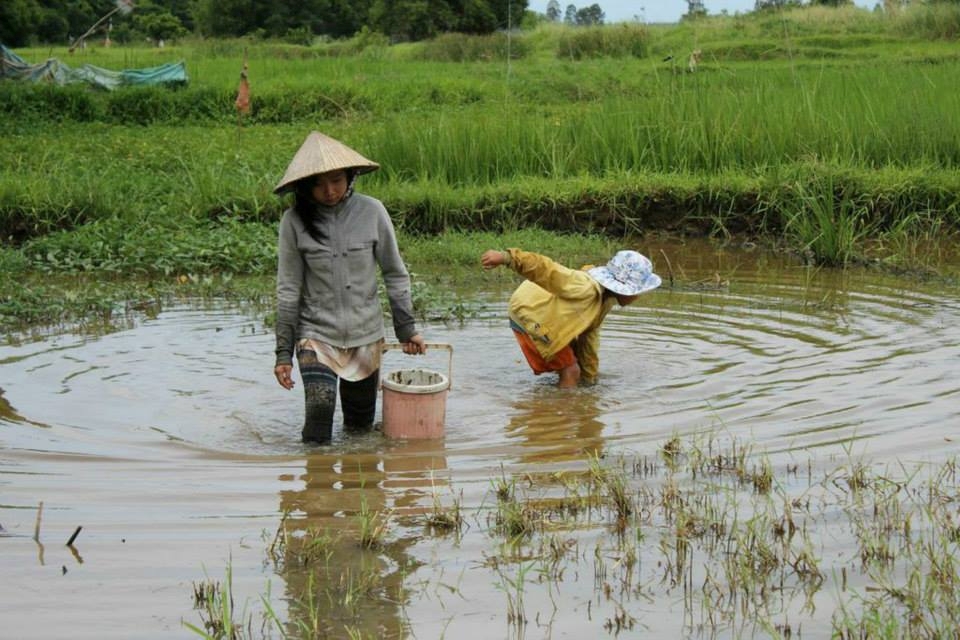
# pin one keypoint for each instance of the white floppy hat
(628, 273)
(320, 154)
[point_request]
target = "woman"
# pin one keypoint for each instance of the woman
(332, 242)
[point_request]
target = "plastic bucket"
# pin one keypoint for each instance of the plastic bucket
(415, 402)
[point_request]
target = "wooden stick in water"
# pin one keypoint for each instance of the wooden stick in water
(36, 526)
(74, 536)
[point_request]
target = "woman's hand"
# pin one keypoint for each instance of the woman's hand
(491, 258)
(283, 373)
(415, 345)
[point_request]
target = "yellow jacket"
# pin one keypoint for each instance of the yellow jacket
(558, 306)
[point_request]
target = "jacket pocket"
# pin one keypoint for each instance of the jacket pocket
(361, 267)
(319, 280)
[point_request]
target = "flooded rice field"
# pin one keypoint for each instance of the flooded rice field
(718, 482)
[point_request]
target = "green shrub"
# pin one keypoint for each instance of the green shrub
(459, 47)
(616, 41)
(938, 20)
(31, 102)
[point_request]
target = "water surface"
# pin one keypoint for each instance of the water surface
(173, 447)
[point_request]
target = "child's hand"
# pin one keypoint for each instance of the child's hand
(491, 259)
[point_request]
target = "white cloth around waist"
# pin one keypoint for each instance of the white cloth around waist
(353, 364)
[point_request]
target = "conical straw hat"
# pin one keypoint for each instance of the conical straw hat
(319, 154)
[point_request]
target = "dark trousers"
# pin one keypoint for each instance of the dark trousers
(358, 400)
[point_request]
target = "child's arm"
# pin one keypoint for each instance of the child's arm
(493, 258)
(542, 271)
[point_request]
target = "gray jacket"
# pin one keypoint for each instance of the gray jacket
(328, 291)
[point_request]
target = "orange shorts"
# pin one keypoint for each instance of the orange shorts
(564, 358)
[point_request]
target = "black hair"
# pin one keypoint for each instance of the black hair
(305, 206)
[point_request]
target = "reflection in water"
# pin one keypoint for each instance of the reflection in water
(557, 425)
(344, 571)
(7, 412)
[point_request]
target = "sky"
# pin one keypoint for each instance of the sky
(655, 10)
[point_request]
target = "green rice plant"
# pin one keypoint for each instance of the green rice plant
(314, 548)
(308, 617)
(734, 560)
(828, 225)
(515, 519)
(214, 601)
(602, 145)
(915, 243)
(372, 525)
(761, 476)
(613, 484)
(505, 490)
(514, 588)
(670, 452)
(445, 519)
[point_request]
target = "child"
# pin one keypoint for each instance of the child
(556, 312)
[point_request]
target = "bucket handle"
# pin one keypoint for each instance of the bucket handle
(390, 346)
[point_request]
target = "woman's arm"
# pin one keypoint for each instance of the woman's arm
(289, 287)
(396, 278)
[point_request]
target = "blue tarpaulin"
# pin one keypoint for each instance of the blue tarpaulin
(53, 71)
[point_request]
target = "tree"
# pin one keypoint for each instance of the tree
(18, 19)
(553, 11)
(160, 26)
(509, 12)
(411, 19)
(477, 18)
(51, 27)
(570, 17)
(344, 18)
(695, 10)
(180, 9)
(81, 14)
(761, 5)
(229, 18)
(592, 15)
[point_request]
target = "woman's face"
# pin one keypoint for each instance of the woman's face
(330, 187)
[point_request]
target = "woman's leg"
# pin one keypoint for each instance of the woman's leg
(320, 395)
(359, 402)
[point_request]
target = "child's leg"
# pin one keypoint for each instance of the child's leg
(564, 362)
(569, 376)
(359, 402)
(320, 395)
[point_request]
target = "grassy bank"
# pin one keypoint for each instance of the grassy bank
(830, 132)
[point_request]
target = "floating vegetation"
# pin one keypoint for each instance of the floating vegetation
(721, 539)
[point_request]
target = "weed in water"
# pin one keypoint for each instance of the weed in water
(373, 525)
(445, 519)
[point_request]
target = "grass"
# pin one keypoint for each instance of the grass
(611, 140)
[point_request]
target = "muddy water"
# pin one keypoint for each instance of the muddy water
(173, 448)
